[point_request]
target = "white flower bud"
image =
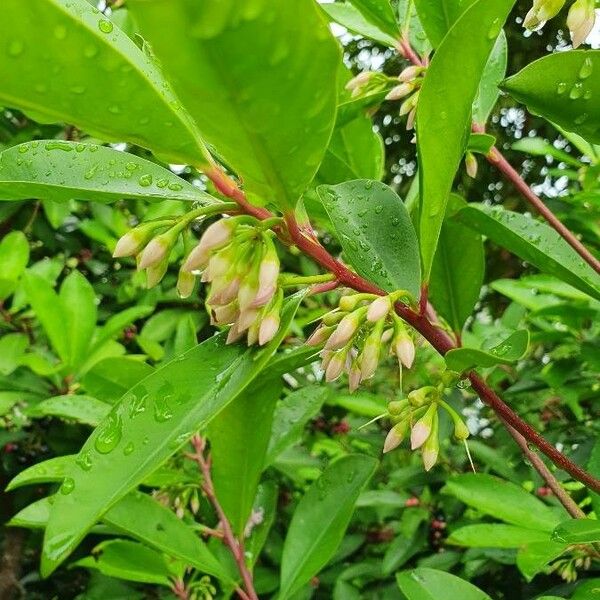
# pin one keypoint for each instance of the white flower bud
(395, 436)
(247, 318)
(405, 350)
(155, 273)
(471, 165)
(421, 430)
(369, 359)
(410, 73)
(216, 236)
(354, 377)
(580, 21)
(400, 91)
(268, 274)
(129, 245)
(410, 121)
(343, 332)
(431, 448)
(318, 336)
(335, 367)
(154, 252)
(268, 328)
(379, 309)
(253, 333)
(359, 81)
(223, 292)
(234, 334)
(225, 315)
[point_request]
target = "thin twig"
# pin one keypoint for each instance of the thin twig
(235, 545)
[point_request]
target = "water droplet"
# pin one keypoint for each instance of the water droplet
(587, 95)
(137, 405)
(576, 91)
(67, 486)
(351, 477)
(16, 48)
(162, 410)
(114, 109)
(128, 449)
(586, 68)
(162, 183)
(105, 26)
(93, 148)
(84, 461)
(131, 166)
(561, 88)
(368, 185)
(109, 435)
(175, 187)
(23, 148)
(91, 172)
(80, 147)
(395, 221)
(378, 209)
(145, 180)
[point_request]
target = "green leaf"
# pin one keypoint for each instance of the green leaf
(533, 559)
(129, 560)
(506, 352)
(320, 520)
(564, 88)
(265, 504)
(48, 310)
(502, 500)
(493, 74)
(12, 349)
(496, 536)
(430, 584)
(83, 409)
(291, 415)
(115, 325)
(352, 19)
(61, 171)
(152, 420)
(444, 111)
(540, 147)
(53, 469)
(78, 308)
(438, 16)
(457, 270)
(380, 14)
(480, 143)
(239, 437)
(577, 531)
(533, 241)
(269, 112)
(113, 91)
(14, 256)
(376, 233)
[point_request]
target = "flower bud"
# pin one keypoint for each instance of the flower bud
(549, 9)
(155, 273)
(410, 73)
(404, 350)
(461, 431)
(234, 334)
(471, 165)
(268, 328)
(395, 436)
(379, 309)
(354, 376)
(215, 237)
(247, 317)
(344, 331)
(133, 241)
(336, 366)
(431, 448)
(359, 81)
(268, 274)
(350, 302)
(223, 292)
(318, 336)
(410, 121)
(218, 265)
(332, 317)
(253, 333)
(580, 21)
(185, 283)
(157, 249)
(396, 407)
(369, 358)
(400, 91)
(225, 315)
(422, 428)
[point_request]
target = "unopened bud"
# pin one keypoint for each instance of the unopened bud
(400, 91)
(268, 274)
(379, 309)
(410, 73)
(253, 333)
(369, 358)
(319, 335)
(155, 273)
(461, 431)
(431, 448)
(350, 302)
(226, 315)
(471, 165)
(410, 121)
(156, 250)
(344, 331)
(404, 349)
(216, 236)
(223, 292)
(336, 366)
(396, 407)
(247, 317)
(268, 329)
(332, 317)
(395, 436)
(185, 284)
(359, 81)
(218, 265)
(234, 334)
(549, 9)
(422, 428)
(133, 241)
(580, 21)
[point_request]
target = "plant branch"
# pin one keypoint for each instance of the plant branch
(235, 546)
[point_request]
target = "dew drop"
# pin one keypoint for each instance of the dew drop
(67, 486)
(84, 461)
(378, 209)
(576, 91)
(162, 183)
(581, 119)
(586, 68)
(162, 410)
(128, 449)
(175, 187)
(105, 26)
(137, 405)
(109, 435)
(131, 166)
(561, 88)
(145, 180)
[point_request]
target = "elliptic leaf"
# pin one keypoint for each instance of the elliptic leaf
(430, 584)
(438, 16)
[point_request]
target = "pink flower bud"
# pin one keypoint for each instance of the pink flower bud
(405, 350)
(369, 360)
(421, 430)
(580, 21)
(225, 315)
(410, 73)
(326, 356)
(247, 318)
(218, 265)
(223, 292)
(268, 328)
(185, 284)
(395, 436)
(130, 244)
(154, 252)
(253, 333)
(471, 165)
(359, 81)
(197, 259)
(247, 292)
(335, 367)
(400, 91)
(354, 377)
(318, 336)
(216, 236)
(410, 121)
(431, 448)
(268, 274)
(429, 457)
(234, 334)
(343, 332)
(155, 273)
(379, 309)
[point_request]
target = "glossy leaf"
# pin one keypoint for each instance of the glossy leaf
(493, 74)
(12, 349)
(533, 558)
(457, 270)
(239, 437)
(113, 91)
(14, 256)
(430, 584)
(291, 415)
(320, 520)
(496, 535)
(83, 409)
(376, 233)
(506, 352)
(129, 560)
(380, 14)
(533, 241)
(577, 531)
(269, 112)
(502, 500)
(61, 171)
(159, 413)
(438, 16)
(540, 147)
(444, 111)
(352, 19)
(53, 469)
(564, 88)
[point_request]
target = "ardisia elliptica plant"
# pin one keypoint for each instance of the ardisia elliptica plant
(279, 189)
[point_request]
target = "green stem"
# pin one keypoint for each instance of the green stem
(298, 280)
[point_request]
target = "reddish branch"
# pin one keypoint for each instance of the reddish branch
(235, 546)
(438, 338)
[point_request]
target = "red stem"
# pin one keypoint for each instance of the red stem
(441, 341)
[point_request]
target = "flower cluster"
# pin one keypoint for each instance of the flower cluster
(237, 256)
(358, 333)
(419, 415)
(580, 20)
(409, 87)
